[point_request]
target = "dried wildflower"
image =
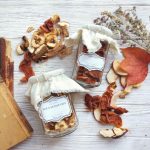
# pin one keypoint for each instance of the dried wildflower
(126, 26)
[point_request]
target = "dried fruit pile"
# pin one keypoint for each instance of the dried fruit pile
(46, 42)
(104, 110)
(131, 71)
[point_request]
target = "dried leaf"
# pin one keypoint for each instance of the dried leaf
(135, 64)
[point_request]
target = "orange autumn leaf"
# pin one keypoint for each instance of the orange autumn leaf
(135, 64)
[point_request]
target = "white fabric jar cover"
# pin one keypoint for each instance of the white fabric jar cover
(55, 81)
(91, 35)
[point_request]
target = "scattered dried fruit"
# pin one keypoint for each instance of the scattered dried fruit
(111, 118)
(111, 76)
(26, 68)
(123, 81)
(19, 50)
(117, 69)
(63, 24)
(23, 46)
(37, 41)
(103, 109)
(51, 40)
(120, 110)
(63, 29)
(55, 19)
(46, 42)
(30, 29)
(64, 52)
(53, 52)
(113, 133)
(25, 43)
(39, 52)
(97, 114)
(31, 49)
(92, 102)
(114, 98)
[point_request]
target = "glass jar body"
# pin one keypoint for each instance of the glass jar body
(58, 115)
(88, 69)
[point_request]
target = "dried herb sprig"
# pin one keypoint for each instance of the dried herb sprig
(127, 27)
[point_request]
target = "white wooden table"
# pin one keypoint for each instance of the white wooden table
(16, 16)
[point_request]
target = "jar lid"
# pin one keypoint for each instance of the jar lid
(56, 81)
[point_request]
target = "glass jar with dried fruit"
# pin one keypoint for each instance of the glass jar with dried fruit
(93, 42)
(50, 95)
(58, 115)
(89, 66)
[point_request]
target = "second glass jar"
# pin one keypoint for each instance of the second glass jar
(89, 67)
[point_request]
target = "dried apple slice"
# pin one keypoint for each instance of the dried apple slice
(19, 50)
(113, 133)
(123, 81)
(63, 24)
(116, 68)
(111, 76)
(97, 114)
(114, 98)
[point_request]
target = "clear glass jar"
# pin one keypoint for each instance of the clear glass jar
(58, 115)
(89, 67)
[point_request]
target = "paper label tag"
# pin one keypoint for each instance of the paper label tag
(55, 109)
(91, 61)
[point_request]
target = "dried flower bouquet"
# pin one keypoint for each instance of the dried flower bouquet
(127, 27)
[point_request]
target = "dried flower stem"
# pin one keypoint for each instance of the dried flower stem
(126, 26)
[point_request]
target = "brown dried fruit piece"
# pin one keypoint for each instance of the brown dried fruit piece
(25, 43)
(102, 109)
(87, 76)
(117, 69)
(114, 98)
(23, 46)
(120, 110)
(19, 50)
(37, 41)
(30, 29)
(55, 19)
(111, 76)
(26, 68)
(97, 114)
(92, 102)
(123, 81)
(110, 117)
(64, 52)
(53, 52)
(63, 29)
(39, 53)
(113, 133)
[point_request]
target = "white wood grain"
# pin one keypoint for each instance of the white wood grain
(16, 16)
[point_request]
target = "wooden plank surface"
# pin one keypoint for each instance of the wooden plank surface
(16, 16)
